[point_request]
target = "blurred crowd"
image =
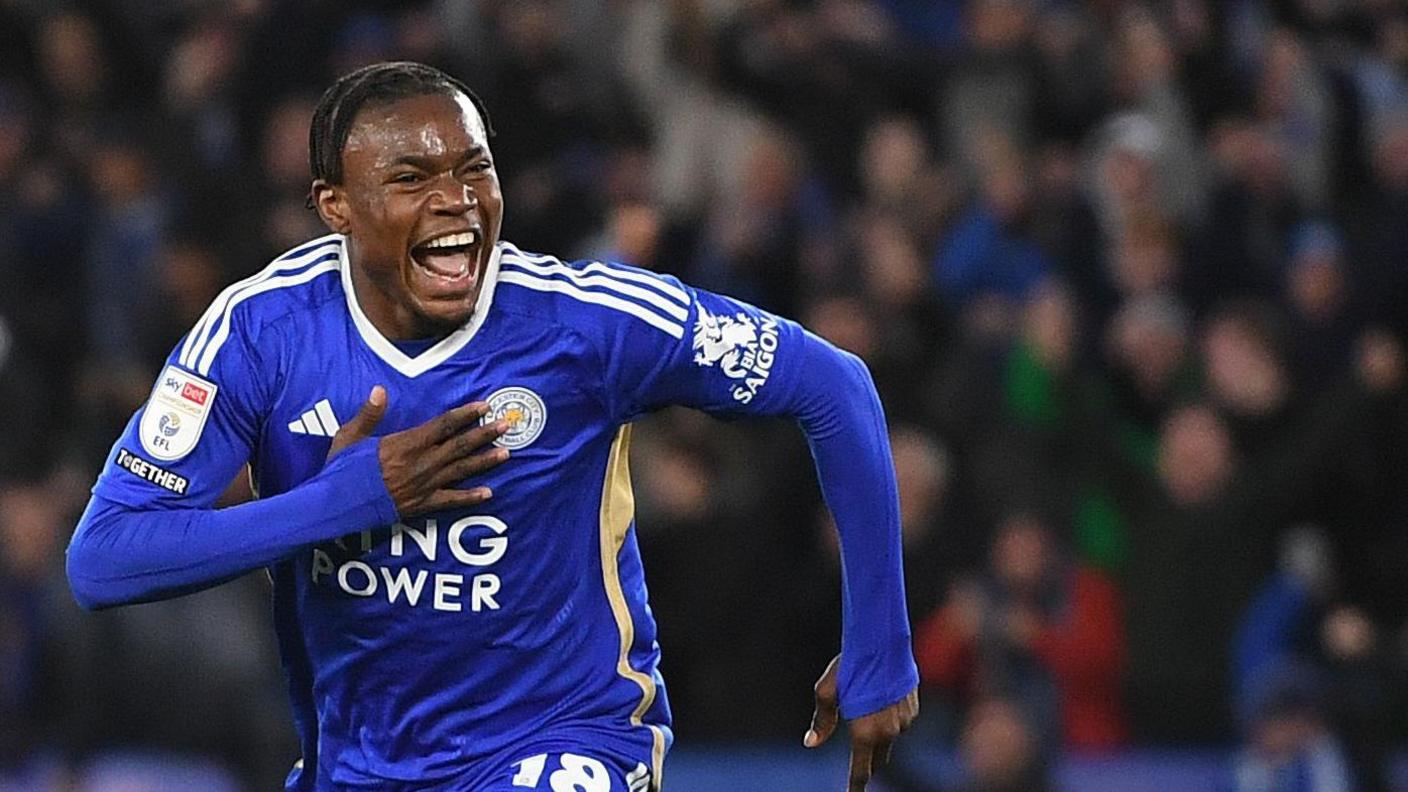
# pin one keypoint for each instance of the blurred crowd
(1132, 279)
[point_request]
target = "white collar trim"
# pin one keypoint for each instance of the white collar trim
(445, 348)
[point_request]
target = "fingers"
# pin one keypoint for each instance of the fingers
(421, 466)
(442, 500)
(826, 715)
(472, 465)
(447, 425)
(363, 424)
(882, 753)
(371, 413)
(824, 719)
(861, 756)
(872, 736)
(466, 443)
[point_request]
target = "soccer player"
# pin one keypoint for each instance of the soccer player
(437, 424)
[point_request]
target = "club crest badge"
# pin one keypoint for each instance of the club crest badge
(525, 412)
(175, 415)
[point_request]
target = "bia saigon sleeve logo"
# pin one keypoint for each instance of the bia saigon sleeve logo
(176, 413)
(743, 348)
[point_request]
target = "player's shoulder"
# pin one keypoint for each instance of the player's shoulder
(302, 278)
(589, 294)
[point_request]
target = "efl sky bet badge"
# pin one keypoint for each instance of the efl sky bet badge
(176, 413)
(525, 412)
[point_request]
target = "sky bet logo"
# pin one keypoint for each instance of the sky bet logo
(476, 542)
(188, 390)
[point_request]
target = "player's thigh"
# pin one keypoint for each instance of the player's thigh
(570, 770)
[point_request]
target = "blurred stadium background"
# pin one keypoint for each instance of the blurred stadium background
(1132, 278)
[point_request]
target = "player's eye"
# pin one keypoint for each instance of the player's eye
(406, 177)
(481, 166)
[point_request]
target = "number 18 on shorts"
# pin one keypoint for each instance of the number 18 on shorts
(569, 772)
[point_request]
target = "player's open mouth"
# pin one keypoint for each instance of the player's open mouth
(448, 263)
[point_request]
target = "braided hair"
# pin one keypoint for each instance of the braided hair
(379, 83)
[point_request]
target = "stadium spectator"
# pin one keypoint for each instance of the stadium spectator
(1289, 745)
(1256, 211)
(1150, 370)
(1190, 567)
(1001, 750)
(935, 539)
(987, 260)
(1324, 322)
(1037, 628)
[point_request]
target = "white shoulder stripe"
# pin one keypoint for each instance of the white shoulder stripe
(654, 281)
(564, 287)
(200, 333)
(218, 340)
(581, 278)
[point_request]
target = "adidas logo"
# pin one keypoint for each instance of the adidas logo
(319, 421)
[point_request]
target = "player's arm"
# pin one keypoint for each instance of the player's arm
(874, 682)
(150, 530)
(733, 359)
(124, 554)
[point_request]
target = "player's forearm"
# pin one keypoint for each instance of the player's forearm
(121, 555)
(838, 408)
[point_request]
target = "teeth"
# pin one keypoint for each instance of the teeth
(452, 240)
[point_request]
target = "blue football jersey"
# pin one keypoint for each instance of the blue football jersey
(433, 648)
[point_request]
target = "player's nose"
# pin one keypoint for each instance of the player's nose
(452, 197)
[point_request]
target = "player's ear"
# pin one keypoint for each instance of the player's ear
(331, 203)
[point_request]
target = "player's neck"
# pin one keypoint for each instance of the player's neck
(395, 321)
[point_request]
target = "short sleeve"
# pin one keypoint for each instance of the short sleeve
(197, 429)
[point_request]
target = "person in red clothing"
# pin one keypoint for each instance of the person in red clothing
(1035, 626)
